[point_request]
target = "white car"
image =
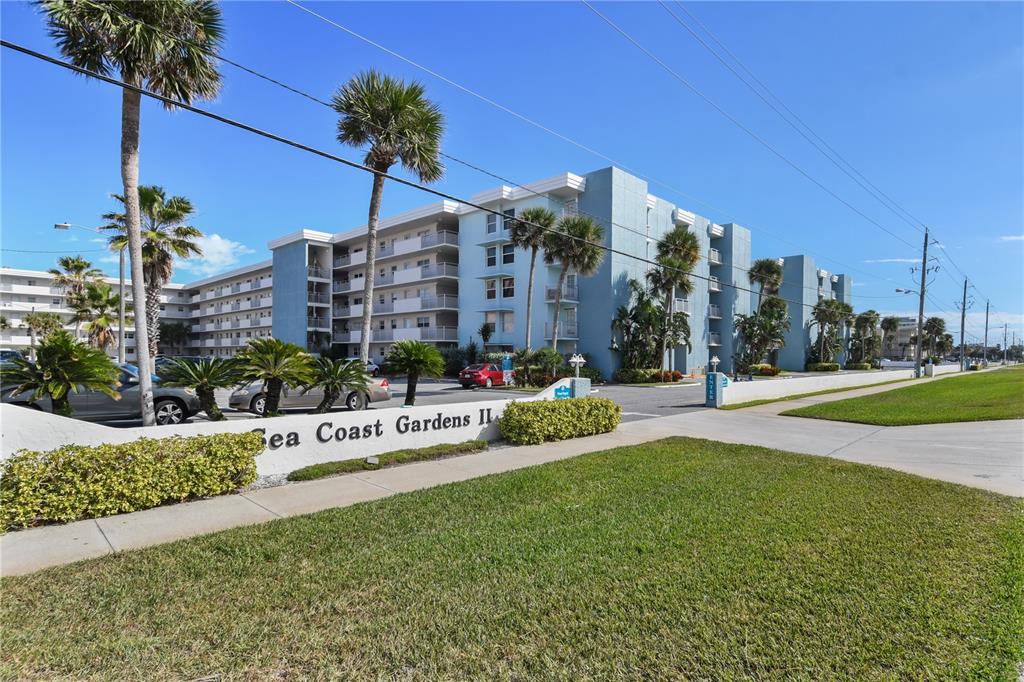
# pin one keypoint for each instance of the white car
(371, 367)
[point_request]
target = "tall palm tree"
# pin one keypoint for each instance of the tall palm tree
(934, 328)
(74, 273)
(414, 359)
(679, 250)
(576, 243)
(528, 232)
(275, 363)
(767, 274)
(890, 325)
(164, 237)
(829, 315)
(865, 324)
(98, 309)
(399, 125)
(670, 278)
(168, 46)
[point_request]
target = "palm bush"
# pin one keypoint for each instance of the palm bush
(275, 363)
(413, 359)
(396, 123)
(335, 377)
(63, 366)
(205, 375)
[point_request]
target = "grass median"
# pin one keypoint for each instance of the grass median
(682, 559)
(971, 397)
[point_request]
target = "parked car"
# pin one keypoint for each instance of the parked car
(371, 366)
(8, 354)
(486, 375)
(251, 398)
(163, 360)
(172, 405)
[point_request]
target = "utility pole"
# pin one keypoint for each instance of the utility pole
(920, 308)
(963, 316)
(984, 350)
(1004, 343)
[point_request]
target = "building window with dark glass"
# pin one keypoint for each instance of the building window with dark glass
(492, 223)
(508, 254)
(508, 287)
(492, 256)
(508, 216)
(491, 289)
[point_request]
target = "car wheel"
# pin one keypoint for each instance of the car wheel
(488, 383)
(259, 403)
(169, 412)
(356, 401)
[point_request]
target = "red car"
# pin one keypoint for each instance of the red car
(485, 375)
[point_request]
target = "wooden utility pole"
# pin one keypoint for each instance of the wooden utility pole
(963, 316)
(984, 350)
(920, 308)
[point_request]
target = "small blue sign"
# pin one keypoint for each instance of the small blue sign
(562, 392)
(506, 363)
(710, 388)
(725, 381)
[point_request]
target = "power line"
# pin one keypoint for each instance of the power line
(60, 251)
(341, 160)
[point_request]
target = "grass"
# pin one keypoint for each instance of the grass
(683, 559)
(798, 396)
(347, 466)
(976, 397)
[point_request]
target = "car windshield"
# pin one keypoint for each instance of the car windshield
(475, 368)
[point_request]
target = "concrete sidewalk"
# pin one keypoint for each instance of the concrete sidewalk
(981, 454)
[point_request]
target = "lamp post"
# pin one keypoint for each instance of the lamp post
(577, 361)
(121, 304)
(714, 363)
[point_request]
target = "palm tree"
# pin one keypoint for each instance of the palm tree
(169, 47)
(934, 328)
(767, 274)
(829, 315)
(98, 308)
(275, 363)
(205, 376)
(865, 324)
(41, 325)
(63, 366)
(485, 331)
(576, 243)
(635, 324)
(173, 335)
(164, 237)
(678, 251)
(335, 377)
(528, 232)
(414, 359)
(669, 278)
(890, 326)
(74, 273)
(398, 124)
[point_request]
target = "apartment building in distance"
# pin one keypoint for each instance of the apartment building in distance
(445, 269)
(806, 283)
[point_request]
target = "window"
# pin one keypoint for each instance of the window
(394, 324)
(380, 325)
(507, 218)
(181, 309)
(30, 299)
(55, 301)
(381, 299)
(422, 322)
(508, 287)
(162, 308)
(422, 262)
(492, 224)
(492, 256)
(491, 289)
(508, 322)
(508, 254)
(491, 319)
(31, 282)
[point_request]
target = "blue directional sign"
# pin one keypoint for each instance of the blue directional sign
(725, 381)
(506, 363)
(562, 392)
(710, 390)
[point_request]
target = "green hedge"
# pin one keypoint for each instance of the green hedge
(634, 375)
(823, 367)
(539, 421)
(763, 370)
(82, 482)
(858, 365)
(345, 466)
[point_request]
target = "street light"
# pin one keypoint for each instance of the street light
(714, 363)
(920, 332)
(577, 361)
(121, 303)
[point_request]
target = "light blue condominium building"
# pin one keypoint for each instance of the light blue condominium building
(803, 281)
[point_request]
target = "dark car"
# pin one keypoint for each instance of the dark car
(172, 405)
(486, 375)
(250, 397)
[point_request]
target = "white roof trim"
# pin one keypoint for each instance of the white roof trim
(569, 181)
(436, 209)
(237, 272)
(652, 201)
(6, 271)
(301, 235)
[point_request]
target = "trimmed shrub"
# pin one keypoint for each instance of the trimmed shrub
(764, 370)
(344, 466)
(634, 375)
(822, 366)
(540, 421)
(84, 482)
(858, 365)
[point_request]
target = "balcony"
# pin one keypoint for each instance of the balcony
(316, 272)
(714, 312)
(345, 337)
(566, 330)
(401, 247)
(682, 305)
(716, 231)
(682, 217)
(342, 261)
(835, 279)
(339, 286)
(568, 294)
(714, 339)
(713, 284)
(317, 298)
(318, 323)
(262, 302)
(821, 292)
(714, 256)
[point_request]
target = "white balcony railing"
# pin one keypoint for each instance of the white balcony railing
(714, 256)
(716, 231)
(714, 284)
(714, 312)
(682, 305)
(316, 297)
(714, 339)
(566, 330)
(568, 293)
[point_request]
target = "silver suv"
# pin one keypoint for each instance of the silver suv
(252, 399)
(173, 405)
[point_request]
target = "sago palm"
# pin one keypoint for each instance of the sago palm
(396, 122)
(335, 377)
(63, 366)
(165, 236)
(275, 363)
(413, 359)
(167, 46)
(97, 311)
(528, 232)
(577, 244)
(766, 273)
(205, 376)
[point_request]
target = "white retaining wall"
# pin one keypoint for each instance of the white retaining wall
(745, 391)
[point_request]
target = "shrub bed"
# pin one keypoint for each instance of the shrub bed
(314, 471)
(529, 423)
(764, 370)
(858, 365)
(83, 482)
(823, 367)
(635, 375)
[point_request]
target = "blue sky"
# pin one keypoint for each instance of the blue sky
(925, 99)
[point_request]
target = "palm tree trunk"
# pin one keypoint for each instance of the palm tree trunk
(410, 388)
(208, 402)
(153, 315)
(326, 403)
(133, 227)
(529, 298)
(821, 352)
(371, 265)
(558, 304)
(664, 332)
(273, 398)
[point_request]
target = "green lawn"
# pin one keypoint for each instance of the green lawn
(972, 397)
(682, 559)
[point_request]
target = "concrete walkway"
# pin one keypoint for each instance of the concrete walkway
(987, 455)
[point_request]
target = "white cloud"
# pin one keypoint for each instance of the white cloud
(219, 254)
(1012, 238)
(894, 260)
